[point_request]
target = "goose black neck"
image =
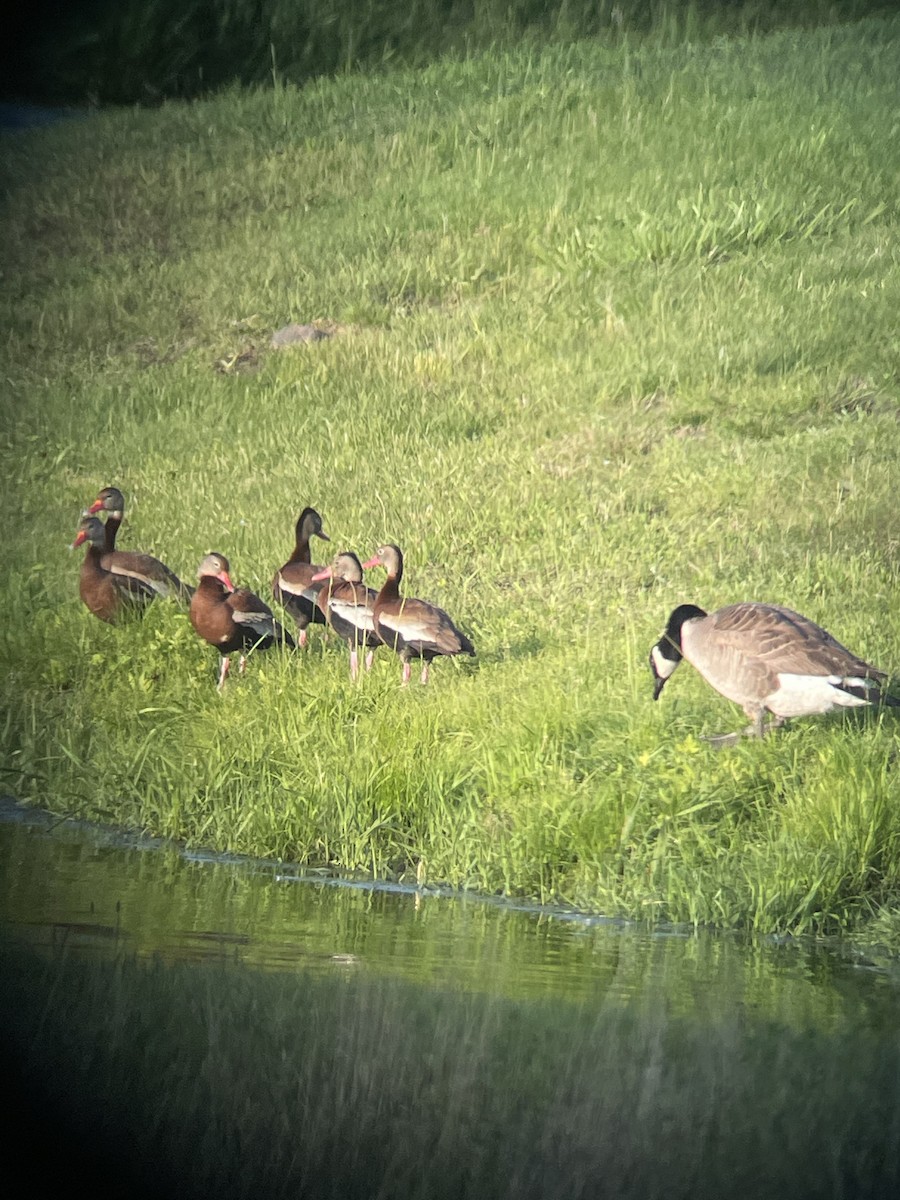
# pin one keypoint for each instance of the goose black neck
(671, 640)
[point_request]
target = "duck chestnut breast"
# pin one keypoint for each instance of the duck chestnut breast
(107, 595)
(232, 619)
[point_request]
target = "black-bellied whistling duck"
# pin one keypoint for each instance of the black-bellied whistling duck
(144, 567)
(414, 628)
(348, 606)
(292, 585)
(107, 595)
(232, 618)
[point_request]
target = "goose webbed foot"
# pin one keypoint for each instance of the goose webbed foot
(719, 741)
(758, 729)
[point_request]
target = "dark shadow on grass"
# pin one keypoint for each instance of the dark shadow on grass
(526, 647)
(857, 719)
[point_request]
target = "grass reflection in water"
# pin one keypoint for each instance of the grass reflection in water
(200, 1080)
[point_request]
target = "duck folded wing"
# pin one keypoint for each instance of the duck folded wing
(298, 582)
(355, 611)
(131, 588)
(251, 614)
(421, 625)
(148, 570)
(294, 588)
(110, 596)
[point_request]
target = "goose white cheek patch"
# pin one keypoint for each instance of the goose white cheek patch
(662, 665)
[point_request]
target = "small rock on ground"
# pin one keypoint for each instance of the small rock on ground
(291, 334)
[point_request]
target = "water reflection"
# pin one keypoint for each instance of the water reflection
(247, 1031)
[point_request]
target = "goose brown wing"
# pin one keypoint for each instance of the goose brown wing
(722, 646)
(782, 641)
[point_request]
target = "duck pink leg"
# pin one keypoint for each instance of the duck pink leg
(223, 671)
(354, 663)
(424, 671)
(370, 658)
(405, 678)
(301, 638)
(242, 664)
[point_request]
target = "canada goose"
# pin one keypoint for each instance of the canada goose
(765, 658)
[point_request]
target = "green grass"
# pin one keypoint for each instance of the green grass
(617, 330)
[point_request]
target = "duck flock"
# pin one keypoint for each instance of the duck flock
(764, 657)
(113, 582)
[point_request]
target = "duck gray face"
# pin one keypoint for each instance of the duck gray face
(90, 529)
(216, 566)
(666, 654)
(109, 500)
(343, 566)
(389, 557)
(347, 566)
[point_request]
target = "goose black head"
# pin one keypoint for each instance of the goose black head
(666, 653)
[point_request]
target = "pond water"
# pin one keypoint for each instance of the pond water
(185, 1026)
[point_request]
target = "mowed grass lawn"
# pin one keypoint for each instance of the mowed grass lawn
(614, 329)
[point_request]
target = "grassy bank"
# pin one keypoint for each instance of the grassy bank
(615, 329)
